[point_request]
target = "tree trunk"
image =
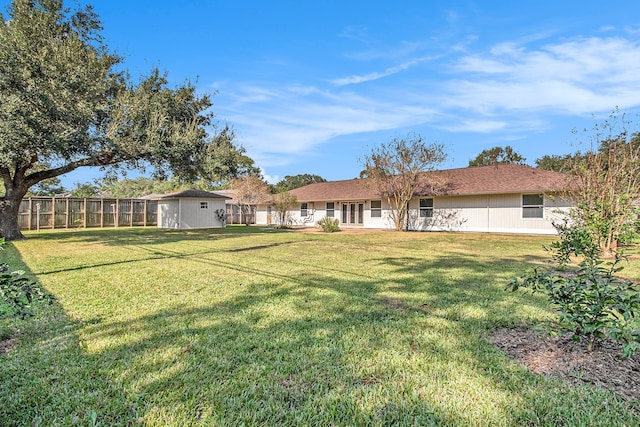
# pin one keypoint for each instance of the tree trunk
(9, 208)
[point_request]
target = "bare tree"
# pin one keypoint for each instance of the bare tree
(282, 203)
(605, 184)
(249, 191)
(396, 170)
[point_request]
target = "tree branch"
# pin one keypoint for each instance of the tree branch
(102, 159)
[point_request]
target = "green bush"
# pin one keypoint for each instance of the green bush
(6, 332)
(18, 292)
(329, 225)
(592, 301)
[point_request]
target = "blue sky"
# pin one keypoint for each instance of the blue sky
(313, 86)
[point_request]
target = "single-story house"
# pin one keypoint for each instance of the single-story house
(506, 198)
(191, 208)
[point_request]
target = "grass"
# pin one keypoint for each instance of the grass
(245, 326)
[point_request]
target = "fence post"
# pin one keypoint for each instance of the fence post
(38, 217)
(84, 213)
(115, 216)
(53, 212)
(30, 210)
(66, 213)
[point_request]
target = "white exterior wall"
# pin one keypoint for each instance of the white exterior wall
(368, 221)
(186, 213)
(384, 221)
(312, 217)
(500, 213)
(262, 212)
(168, 214)
(318, 210)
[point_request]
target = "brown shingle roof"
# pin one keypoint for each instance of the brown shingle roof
(335, 190)
(497, 179)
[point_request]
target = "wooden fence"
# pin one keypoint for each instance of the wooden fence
(69, 212)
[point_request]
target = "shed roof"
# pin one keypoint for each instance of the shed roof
(496, 179)
(193, 194)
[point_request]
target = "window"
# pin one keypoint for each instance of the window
(532, 206)
(426, 208)
(330, 209)
(303, 209)
(376, 209)
(204, 205)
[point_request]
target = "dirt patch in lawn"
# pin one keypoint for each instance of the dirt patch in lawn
(562, 357)
(6, 345)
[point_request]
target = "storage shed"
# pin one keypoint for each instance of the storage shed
(188, 209)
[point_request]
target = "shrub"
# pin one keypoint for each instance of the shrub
(329, 225)
(18, 292)
(592, 301)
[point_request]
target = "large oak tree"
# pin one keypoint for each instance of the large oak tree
(66, 102)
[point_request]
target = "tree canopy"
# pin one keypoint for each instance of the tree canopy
(296, 181)
(86, 189)
(137, 187)
(557, 163)
(66, 102)
(497, 155)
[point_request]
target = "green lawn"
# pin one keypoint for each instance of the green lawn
(245, 326)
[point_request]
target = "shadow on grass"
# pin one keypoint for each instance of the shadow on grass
(152, 254)
(47, 378)
(302, 344)
(143, 235)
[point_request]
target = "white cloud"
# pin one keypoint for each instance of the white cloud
(354, 32)
(294, 123)
(606, 28)
(401, 50)
(381, 74)
(575, 77)
(633, 30)
(269, 178)
(512, 89)
(479, 126)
